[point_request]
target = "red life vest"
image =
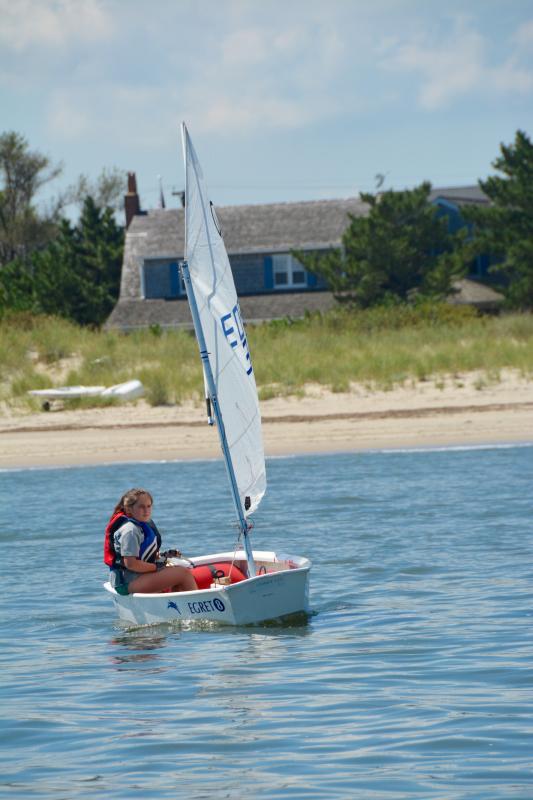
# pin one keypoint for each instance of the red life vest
(118, 519)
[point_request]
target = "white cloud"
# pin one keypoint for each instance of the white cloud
(238, 71)
(52, 23)
(524, 35)
(68, 119)
(232, 114)
(240, 89)
(511, 78)
(267, 76)
(128, 117)
(447, 69)
(457, 65)
(245, 47)
(242, 66)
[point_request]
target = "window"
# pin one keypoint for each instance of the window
(288, 272)
(162, 280)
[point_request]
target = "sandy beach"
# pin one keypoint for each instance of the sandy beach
(460, 410)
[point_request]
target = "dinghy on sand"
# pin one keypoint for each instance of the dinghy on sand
(123, 392)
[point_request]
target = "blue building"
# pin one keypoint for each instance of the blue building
(259, 240)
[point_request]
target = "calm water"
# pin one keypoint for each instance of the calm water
(412, 679)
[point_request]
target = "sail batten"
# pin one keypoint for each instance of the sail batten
(226, 342)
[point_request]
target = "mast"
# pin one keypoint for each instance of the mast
(211, 386)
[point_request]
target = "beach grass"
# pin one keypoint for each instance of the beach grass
(380, 348)
(389, 347)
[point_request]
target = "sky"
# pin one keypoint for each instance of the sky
(284, 100)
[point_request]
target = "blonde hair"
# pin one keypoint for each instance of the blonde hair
(130, 498)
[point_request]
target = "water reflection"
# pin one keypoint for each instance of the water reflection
(139, 646)
(247, 675)
(145, 645)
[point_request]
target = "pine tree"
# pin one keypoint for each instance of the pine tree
(505, 228)
(399, 249)
(77, 276)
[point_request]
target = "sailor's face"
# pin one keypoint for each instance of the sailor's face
(142, 508)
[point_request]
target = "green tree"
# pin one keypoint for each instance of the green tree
(22, 174)
(17, 292)
(76, 276)
(400, 248)
(504, 229)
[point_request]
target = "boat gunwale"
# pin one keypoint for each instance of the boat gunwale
(304, 567)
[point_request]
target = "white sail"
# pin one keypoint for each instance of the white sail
(225, 337)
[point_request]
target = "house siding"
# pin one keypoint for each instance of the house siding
(248, 273)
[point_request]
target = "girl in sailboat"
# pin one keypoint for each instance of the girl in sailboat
(131, 550)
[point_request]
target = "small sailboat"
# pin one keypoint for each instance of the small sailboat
(121, 392)
(270, 585)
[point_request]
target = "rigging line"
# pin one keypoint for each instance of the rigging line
(237, 543)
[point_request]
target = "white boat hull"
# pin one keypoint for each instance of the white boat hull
(281, 590)
(130, 390)
(67, 392)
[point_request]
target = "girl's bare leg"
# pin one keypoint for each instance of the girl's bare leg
(179, 579)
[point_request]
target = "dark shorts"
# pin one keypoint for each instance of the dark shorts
(121, 577)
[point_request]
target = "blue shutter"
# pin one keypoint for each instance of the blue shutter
(174, 281)
(311, 280)
(268, 272)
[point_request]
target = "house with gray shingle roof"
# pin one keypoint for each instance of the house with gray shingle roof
(270, 282)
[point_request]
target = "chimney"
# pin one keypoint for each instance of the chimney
(132, 206)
